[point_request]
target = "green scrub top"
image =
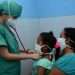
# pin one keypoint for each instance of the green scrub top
(8, 40)
(66, 64)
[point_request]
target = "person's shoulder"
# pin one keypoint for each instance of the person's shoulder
(67, 56)
(64, 60)
(66, 63)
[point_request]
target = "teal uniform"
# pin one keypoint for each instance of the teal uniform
(66, 64)
(8, 40)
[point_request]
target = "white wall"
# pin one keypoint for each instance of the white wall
(57, 24)
(29, 29)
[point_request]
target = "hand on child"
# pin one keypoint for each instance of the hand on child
(36, 55)
(33, 54)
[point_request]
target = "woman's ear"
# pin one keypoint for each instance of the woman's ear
(67, 41)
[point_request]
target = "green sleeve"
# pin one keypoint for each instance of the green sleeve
(2, 34)
(2, 41)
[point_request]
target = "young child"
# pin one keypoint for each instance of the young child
(45, 44)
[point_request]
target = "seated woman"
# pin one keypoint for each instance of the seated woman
(65, 64)
(45, 44)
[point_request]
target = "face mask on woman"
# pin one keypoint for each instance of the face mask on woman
(62, 43)
(10, 21)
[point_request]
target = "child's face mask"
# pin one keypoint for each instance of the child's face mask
(43, 48)
(38, 48)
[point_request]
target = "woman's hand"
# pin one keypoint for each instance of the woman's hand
(36, 55)
(21, 56)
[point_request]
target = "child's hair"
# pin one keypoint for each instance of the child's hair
(50, 40)
(51, 33)
(70, 34)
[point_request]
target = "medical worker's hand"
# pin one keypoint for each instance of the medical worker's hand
(36, 55)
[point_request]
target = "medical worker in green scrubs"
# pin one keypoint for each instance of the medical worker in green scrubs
(10, 55)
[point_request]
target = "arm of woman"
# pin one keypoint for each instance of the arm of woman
(55, 71)
(13, 56)
(61, 66)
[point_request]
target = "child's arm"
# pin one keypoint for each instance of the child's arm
(41, 71)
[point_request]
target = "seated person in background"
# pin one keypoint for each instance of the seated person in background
(45, 44)
(65, 64)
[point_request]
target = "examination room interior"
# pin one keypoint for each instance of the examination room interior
(42, 16)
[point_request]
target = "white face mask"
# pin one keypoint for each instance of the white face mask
(11, 22)
(62, 43)
(37, 47)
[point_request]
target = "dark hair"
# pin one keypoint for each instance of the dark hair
(15, 17)
(70, 34)
(2, 12)
(57, 53)
(51, 33)
(48, 39)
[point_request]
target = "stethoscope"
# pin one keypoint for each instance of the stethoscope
(14, 28)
